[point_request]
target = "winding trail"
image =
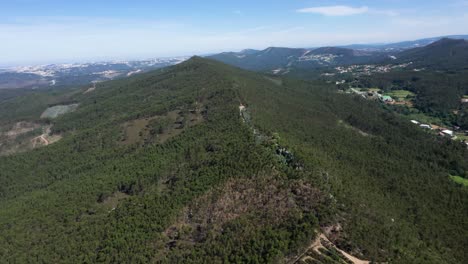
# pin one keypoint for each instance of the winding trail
(46, 142)
(317, 245)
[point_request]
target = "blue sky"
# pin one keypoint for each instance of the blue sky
(46, 31)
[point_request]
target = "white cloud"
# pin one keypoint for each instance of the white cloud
(335, 10)
(390, 13)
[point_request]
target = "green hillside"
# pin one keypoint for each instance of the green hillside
(265, 60)
(205, 163)
(293, 59)
(444, 54)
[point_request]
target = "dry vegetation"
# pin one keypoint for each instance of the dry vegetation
(269, 198)
(160, 128)
(24, 136)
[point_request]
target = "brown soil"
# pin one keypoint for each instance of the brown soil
(21, 127)
(321, 244)
(265, 196)
(9, 144)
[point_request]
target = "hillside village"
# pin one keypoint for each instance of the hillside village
(358, 70)
(366, 69)
(404, 98)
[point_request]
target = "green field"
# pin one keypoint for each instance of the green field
(373, 89)
(423, 118)
(460, 180)
(400, 94)
(461, 136)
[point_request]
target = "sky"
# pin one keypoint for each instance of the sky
(50, 31)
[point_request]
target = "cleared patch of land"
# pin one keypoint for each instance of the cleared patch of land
(19, 128)
(55, 111)
(46, 138)
(322, 250)
(400, 94)
(24, 136)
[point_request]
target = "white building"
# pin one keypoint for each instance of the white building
(448, 132)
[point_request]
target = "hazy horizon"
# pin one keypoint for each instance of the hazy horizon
(68, 32)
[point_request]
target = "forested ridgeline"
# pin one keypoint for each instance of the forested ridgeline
(184, 189)
(90, 198)
(389, 178)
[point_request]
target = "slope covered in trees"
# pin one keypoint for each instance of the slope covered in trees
(255, 187)
(445, 54)
(264, 60)
(292, 59)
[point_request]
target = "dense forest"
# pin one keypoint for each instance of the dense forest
(205, 163)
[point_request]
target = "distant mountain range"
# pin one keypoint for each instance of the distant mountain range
(400, 46)
(282, 59)
(77, 74)
(441, 53)
(436, 53)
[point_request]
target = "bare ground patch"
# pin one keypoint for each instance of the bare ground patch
(58, 110)
(24, 136)
(322, 250)
(20, 128)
